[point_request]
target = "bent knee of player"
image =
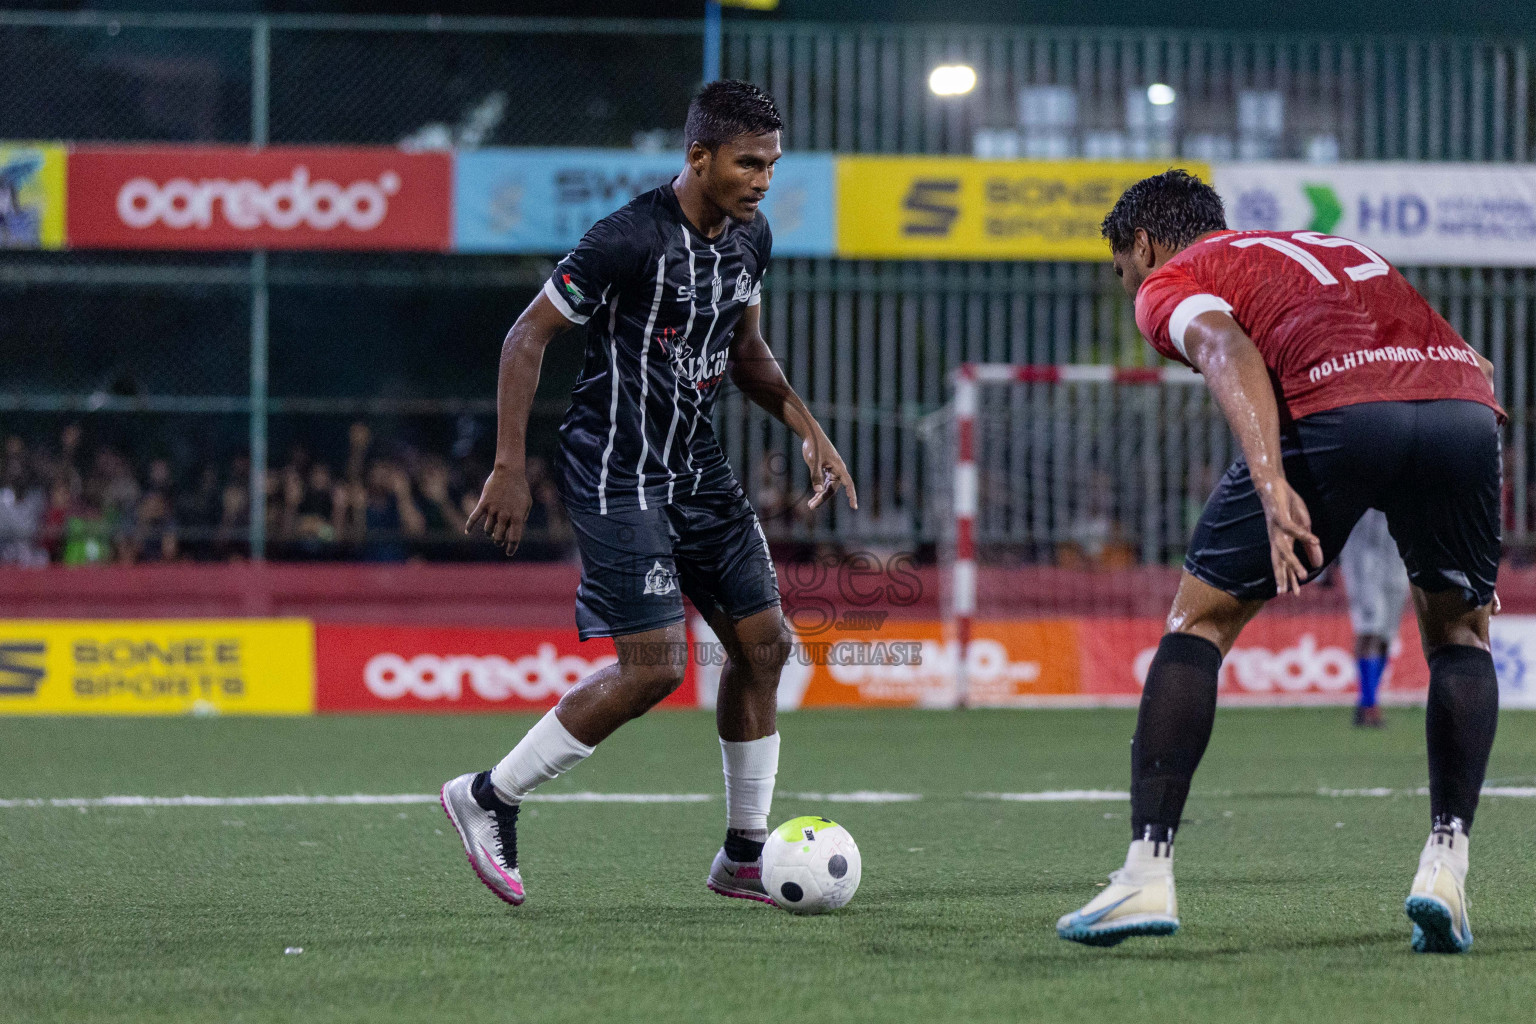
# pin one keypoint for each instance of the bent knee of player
(1204, 611)
(1447, 618)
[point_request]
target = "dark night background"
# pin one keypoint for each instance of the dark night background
(1364, 16)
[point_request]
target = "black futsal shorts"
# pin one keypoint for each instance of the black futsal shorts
(1434, 468)
(637, 565)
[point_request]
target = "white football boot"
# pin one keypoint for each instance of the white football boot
(1139, 900)
(1437, 903)
(741, 880)
(488, 828)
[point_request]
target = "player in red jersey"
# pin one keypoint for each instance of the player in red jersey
(1345, 391)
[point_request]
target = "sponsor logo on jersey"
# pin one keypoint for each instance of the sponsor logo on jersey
(660, 580)
(699, 370)
(743, 287)
(21, 667)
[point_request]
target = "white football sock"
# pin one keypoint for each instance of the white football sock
(545, 751)
(1147, 860)
(750, 770)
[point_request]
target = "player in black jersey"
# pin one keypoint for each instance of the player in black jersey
(667, 290)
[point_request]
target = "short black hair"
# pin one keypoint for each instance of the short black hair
(729, 109)
(1174, 207)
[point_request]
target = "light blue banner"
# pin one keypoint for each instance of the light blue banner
(543, 200)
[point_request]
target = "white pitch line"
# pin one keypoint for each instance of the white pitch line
(859, 796)
(1055, 796)
(371, 799)
(855, 797)
(1518, 792)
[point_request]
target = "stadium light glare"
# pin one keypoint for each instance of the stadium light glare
(952, 79)
(1160, 95)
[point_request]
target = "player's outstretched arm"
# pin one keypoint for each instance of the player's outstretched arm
(1235, 372)
(756, 373)
(505, 499)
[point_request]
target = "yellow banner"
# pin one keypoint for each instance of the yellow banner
(962, 209)
(157, 667)
(31, 196)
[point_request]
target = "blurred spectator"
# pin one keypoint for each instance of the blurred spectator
(387, 514)
(81, 503)
(314, 511)
(154, 536)
(22, 505)
(198, 511)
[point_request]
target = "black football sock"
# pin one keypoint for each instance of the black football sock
(1459, 724)
(1178, 708)
(744, 845)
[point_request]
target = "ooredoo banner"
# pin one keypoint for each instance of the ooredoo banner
(228, 197)
(157, 667)
(1278, 659)
(406, 668)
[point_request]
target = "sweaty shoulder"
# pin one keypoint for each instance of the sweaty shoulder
(612, 255)
(1175, 294)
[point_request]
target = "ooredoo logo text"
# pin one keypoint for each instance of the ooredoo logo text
(297, 200)
(534, 677)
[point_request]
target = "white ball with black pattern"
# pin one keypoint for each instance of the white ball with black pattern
(811, 865)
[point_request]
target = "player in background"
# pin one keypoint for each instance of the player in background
(1377, 584)
(667, 290)
(1345, 391)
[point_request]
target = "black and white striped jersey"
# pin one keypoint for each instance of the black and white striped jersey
(661, 304)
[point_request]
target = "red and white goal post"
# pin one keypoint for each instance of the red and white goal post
(1067, 482)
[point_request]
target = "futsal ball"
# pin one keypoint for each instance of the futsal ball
(811, 865)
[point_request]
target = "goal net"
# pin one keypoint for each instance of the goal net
(1064, 492)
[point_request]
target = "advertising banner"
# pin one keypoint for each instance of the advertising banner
(1278, 659)
(230, 197)
(541, 201)
(964, 209)
(453, 669)
(1474, 215)
(157, 667)
(31, 196)
(1514, 658)
(910, 663)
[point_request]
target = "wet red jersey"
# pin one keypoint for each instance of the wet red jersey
(1336, 324)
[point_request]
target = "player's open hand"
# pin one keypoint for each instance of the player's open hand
(1290, 524)
(503, 508)
(828, 472)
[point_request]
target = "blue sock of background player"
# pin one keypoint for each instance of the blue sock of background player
(1371, 670)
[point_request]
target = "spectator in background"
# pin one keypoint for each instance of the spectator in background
(387, 514)
(232, 536)
(443, 521)
(314, 511)
(154, 536)
(87, 536)
(198, 511)
(22, 506)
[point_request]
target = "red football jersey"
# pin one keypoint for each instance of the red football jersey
(1336, 324)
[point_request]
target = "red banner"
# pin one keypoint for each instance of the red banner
(415, 669)
(229, 197)
(1278, 659)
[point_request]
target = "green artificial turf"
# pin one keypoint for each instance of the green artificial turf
(1291, 901)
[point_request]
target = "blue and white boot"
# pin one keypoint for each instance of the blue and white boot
(1139, 900)
(1437, 905)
